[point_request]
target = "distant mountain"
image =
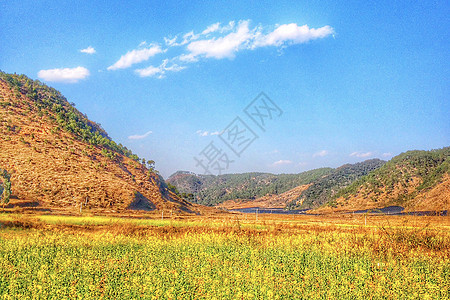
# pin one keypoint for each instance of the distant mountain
(306, 190)
(212, 190)
(58, 159)
(416, 180)
(324, 188)
(267, 201)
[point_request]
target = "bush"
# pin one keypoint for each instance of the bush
(5, 187)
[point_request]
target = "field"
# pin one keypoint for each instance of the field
(228, 257)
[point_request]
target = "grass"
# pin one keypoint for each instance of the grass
(58, 257)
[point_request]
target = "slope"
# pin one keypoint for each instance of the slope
(212, 190)
(59, 159)
(323, 189)
(416, 180)
(267, 201)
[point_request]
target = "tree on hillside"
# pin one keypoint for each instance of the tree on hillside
(150, 164)
(5, 187)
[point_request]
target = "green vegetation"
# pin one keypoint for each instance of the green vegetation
(211, 190)
(324, 188)
(429, 166)
(326, 182)
(172, 188)
(124, 260)
(186, 196)
(374, 177)
(5, 187)
(51, 103)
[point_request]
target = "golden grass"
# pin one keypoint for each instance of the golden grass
(234, 257)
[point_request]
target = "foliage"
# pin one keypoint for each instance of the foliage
(324, 188)
(186, 196)
(211, 190)
(5, 186)
(50, 102)
(428, 166)
(172, 188)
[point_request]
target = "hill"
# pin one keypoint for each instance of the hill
(416, 180)
(59, 159)
(306, 190)
(212, 190)
(267, 201)
(323, 189)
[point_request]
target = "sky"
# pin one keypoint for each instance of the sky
(240, 86)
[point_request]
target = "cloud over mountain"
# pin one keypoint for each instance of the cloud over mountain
(67, 75)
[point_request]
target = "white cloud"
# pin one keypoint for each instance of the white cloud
(228, 27)
(67, 75)
(291, 34)
(174, 68)
(242, 37)
(140, 137)
(211, 28)
(206, 132)
(218, 41)
(171, 41)
(159, 71)
(88, 50)
(202, 132)
(222, 47)
(387, 154)
(188, 37)
(135, 56)
(281, 162)
(321, 153)
(149, 71)
(361, 154)
(187, 58)
(191, 36)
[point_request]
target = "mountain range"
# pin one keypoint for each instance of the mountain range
(415, 180)
(53, 158)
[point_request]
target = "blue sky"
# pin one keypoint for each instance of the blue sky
(354, 80)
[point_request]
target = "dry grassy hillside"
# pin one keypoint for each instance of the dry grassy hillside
(53, 168)
(415, 180)
(267, 201)
(436, 198)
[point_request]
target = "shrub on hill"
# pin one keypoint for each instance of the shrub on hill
(212, 190)
(428, 166)
(50, 102)
(5, 186)
(326, 187)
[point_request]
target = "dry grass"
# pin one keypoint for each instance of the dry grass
(267, 201)
(384, 235)
(52, 168)
(224, 257)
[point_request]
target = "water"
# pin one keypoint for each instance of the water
(252, 210)
(398, 210)
(390, 210)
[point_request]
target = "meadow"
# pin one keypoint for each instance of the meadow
(224, 257)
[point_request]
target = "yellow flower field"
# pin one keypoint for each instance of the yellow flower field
(97, 257)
